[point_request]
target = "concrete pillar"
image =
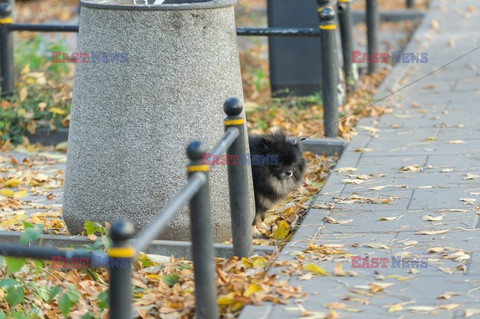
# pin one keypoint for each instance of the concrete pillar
(159, 82)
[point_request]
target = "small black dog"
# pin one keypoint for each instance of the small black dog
(277, 169)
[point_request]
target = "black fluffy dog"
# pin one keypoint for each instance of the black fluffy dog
(277, 168)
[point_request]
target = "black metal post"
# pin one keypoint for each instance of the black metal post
(373, 21)
(120, 259)
(409, 4)
(346, 29)
(6, 50)
(330, 71)
(202, 239)
(238, 182)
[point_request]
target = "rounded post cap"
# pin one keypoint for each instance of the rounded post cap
(232, 107)
(5, 9)
(327, 14)
(121, 230)
(323, 2)
(195, 150)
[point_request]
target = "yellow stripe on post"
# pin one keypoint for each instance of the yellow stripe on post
(198, 168)
(328, 27)
(234, 122)
(344, 1)
(6, 20)
(121, 252)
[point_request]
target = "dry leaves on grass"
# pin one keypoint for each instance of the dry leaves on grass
(29, 186)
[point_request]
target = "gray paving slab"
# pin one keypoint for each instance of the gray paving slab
(433, 212)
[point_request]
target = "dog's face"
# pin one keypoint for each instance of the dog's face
(290, 163)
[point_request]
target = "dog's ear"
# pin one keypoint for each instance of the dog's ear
(266, 143)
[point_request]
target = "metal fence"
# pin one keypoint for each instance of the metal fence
(124, 249)
(328, 57)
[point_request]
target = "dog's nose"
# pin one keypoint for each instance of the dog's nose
(289, 173)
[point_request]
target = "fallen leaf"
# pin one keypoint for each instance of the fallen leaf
(332, 220)
(20, 194)
(448, 294)
(23, 94)
(457, 142)
(338, 271)
(468, 200)
(353, 181)
(421, 308)
(346, 169)
(282, 230)
(369, 129)
(410, 168)
(431, 232)
(12, 182)
(363, 150)
(410, 243)
(431, 218)
(315, 269)
(378, 188)
(436, 250)
(379, 286)
(471, 176)
(395, 308)
(56, 110)
(376, 246)
(391, 218)
(468, 312)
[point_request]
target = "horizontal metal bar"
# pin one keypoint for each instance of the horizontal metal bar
(228, 138)
(389, 16)
(178, 249)
(165, 214)
(398, 15)
(43, 27)
(279, 32)
(96, 258)
(285, 32)
(183, 249)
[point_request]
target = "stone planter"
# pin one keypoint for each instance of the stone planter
(159, 82)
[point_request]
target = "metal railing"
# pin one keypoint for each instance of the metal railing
(329, 61)
(124, 248)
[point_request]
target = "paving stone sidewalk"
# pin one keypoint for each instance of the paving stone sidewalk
(423, 158)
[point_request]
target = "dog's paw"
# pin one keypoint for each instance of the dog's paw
(256, 233)
(261, 225)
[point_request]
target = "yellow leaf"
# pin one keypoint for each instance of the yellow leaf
(56, 110)
(315, 269)
(282, 230)
(12, 182)
(395, 308)
(237, 306)
(7, 192)
(252, 288)
(152, 276)
(363, 150)
(61, 147)
(23, 94)
(259, 262)
(20, 194)
(225, 300)
(246, 262)
(338, 271)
